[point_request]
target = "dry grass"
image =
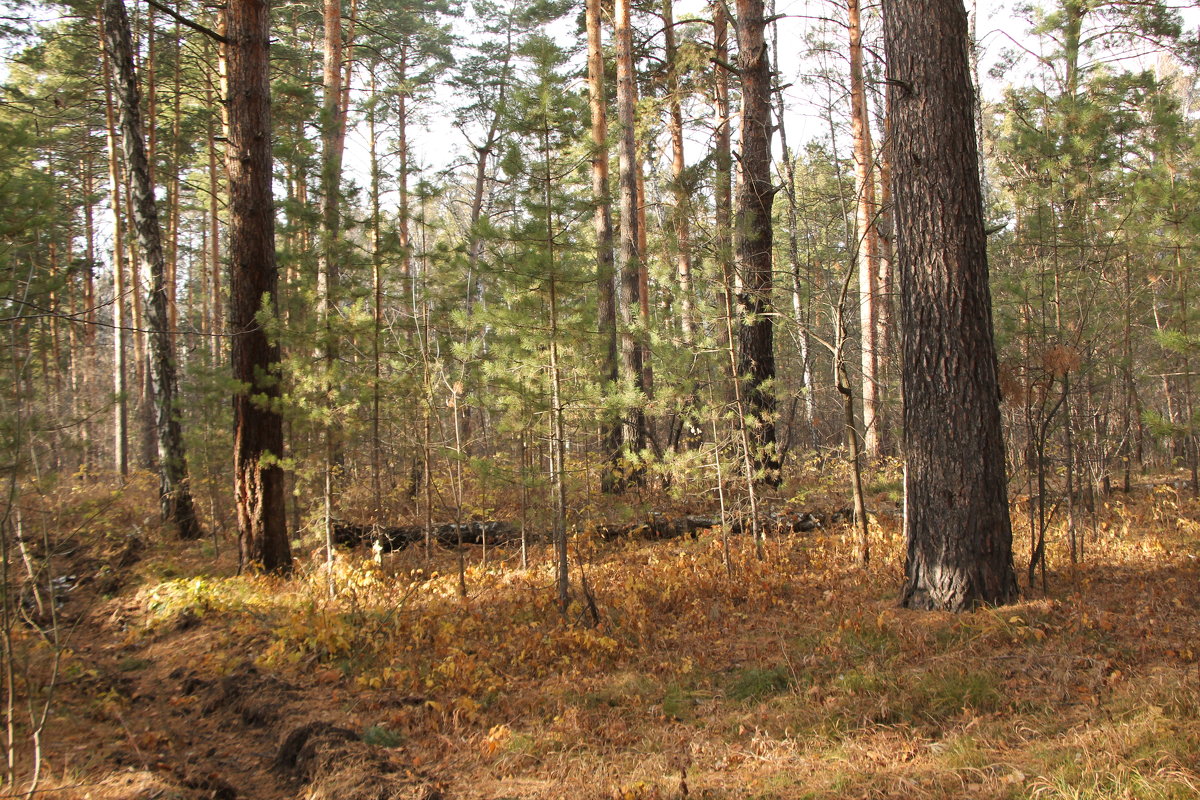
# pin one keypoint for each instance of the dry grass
(791, 677)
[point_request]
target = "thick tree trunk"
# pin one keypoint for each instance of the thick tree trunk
(956, 493)
(174, 494)
(150, 76)
(628, 256)
(606, 310)
(755, 196)
(258, 427)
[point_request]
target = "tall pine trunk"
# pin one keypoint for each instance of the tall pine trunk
(606, 312)
(868, 239)
(628, 255)
(254, 277)
(956, 492)
(332, 123)
(755, 196)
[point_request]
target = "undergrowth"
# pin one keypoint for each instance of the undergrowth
(794, 676)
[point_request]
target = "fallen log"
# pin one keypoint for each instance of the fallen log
(791, 522)
(477, 533)
(657, 527)
(395, 538)
(390, 538)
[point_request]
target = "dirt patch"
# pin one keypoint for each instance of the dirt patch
(253, 697)
(208, 785)
(142, 784)
(336, 764)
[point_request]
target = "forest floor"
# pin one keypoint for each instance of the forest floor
(793, 676)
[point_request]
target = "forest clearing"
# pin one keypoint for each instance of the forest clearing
(795, 676)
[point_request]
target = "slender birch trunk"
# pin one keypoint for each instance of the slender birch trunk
(120, 388)
(174, 492)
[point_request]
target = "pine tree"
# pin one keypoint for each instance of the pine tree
(258, 426)
(959, 536)
(755, 197)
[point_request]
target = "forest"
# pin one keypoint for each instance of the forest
(626, 399)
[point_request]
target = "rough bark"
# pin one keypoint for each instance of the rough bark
(258, 426)
(174, 494)
(755, 196)
(959, 551)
